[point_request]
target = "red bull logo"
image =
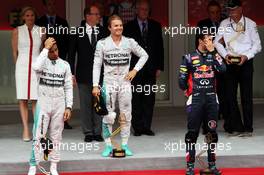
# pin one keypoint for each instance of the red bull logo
(204, 68)
(204, 75)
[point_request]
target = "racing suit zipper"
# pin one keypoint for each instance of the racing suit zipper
(110, 94)
(53, 84)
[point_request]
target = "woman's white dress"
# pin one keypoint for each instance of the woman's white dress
(29, 44)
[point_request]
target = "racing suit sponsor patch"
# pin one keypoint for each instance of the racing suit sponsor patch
(212, 124)
(51, 83)
(204, 75)
(196, 61)
(204, 68)
(115, 62)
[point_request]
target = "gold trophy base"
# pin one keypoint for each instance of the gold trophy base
(235, 59)
(118, 153)
(206, 171)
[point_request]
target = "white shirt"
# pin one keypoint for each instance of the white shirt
(247, 43)
(116, 59)
(89, 31)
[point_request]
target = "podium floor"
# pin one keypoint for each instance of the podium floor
(163, 151)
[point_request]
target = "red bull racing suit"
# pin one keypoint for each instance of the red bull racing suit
(197, 79)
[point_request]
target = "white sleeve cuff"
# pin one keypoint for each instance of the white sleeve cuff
(136, 68)
(45, 50)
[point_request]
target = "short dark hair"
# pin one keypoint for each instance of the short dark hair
(213, 3)
(45, 2)
(233, 4)
(87, 10)
(139, 2)
(201, 35)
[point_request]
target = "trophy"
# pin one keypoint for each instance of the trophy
(205, 170)
(235, 58)
(118, 152)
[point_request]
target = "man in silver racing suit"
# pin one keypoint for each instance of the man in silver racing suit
(116, 81)
(55, 99)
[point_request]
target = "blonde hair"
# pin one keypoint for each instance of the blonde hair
(113, 17)
(25, 9)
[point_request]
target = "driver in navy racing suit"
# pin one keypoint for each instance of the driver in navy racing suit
(197, 79)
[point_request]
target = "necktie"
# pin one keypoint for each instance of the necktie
(51, 21)
(93, 38)
(144, 33)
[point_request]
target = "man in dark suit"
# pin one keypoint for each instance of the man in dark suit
(214, 17)
(51, 21)
(103, 21)
(84, 44)
(148, 34)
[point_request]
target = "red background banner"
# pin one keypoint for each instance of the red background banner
(159, 9)
(252, 9)
(9, 5)
(196, 10)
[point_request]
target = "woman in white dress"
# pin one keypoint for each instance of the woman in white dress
(26, 44)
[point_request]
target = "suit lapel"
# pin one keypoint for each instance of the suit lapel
(56, 20)
(98, 36)
(46, 21)
(101, 33)
(137, 28)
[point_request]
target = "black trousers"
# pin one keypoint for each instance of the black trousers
(203, 108)
(242, 76)
(143, 102)
(91, 123)
(220, 89)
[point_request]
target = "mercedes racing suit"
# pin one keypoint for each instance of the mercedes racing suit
(116, 61)
(197, 79)
(55, 94)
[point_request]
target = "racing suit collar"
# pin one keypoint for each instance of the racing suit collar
(201, 53)
(53, 61)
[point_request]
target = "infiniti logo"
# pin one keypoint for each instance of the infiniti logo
(204, 82)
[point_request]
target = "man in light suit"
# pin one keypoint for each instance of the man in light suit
(242, 43)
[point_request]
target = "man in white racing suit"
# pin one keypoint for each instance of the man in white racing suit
(115, 52)
(55, 99)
